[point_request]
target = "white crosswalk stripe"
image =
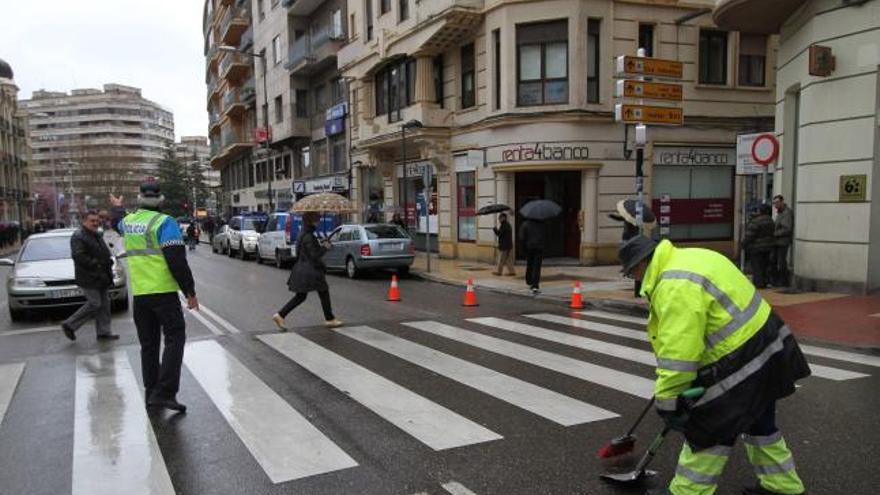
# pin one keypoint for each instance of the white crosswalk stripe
(456, 488)
(430, 423)
(546, 403)
(292, 448)
(10, 374)
(615, 316)
(600, 375)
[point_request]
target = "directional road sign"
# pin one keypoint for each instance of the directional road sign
(643, 114)
(649, 90)
(656, 67)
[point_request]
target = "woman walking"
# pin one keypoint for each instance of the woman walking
(308, 275)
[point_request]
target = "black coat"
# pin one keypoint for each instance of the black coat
(505, 236)
(92, 261)
(759, 234)
(533, 235)
(307, 274)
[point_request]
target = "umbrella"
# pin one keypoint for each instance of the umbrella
(490, 209)
(540, 209)
(324, 202)
(626, 212)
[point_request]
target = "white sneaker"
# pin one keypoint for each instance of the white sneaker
(279, 322)
(334, 323)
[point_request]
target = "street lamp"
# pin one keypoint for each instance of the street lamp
(412, 124)
(261, 56)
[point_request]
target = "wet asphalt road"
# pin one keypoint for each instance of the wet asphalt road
(830, 425)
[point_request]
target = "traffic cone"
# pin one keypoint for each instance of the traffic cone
(394, 291)
(470, 297)
(577, 299)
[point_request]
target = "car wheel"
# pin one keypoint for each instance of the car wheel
(241, 254)
(229, 250)
(351, 268)
(258, 257)
(278, 262)
(16, 314)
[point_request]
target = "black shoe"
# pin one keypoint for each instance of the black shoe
(760, 490)
(109, 336)
(68, 332)
(170, 404)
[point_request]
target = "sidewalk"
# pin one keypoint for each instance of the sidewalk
(823, 317)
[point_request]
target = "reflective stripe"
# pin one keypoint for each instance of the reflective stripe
(743, 373)
(765, 440)
(719, 450)
(701, 478)
(149, 231)
(142, 252)
(720, 296)
(783, 467)
(666, 404)
(740, 318)
(678, 364)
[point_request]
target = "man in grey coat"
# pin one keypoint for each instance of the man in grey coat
(783, 234)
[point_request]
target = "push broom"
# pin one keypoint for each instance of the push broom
(625, 444)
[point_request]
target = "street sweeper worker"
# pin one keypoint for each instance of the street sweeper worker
(710, 327)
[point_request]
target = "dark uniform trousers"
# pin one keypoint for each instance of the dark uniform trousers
(156, 315)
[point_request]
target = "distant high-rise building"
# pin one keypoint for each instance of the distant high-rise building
(14, 152)
(196, 148)
(92, 142)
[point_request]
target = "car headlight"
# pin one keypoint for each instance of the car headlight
(27, 282)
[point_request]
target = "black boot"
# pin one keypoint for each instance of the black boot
(170, 404)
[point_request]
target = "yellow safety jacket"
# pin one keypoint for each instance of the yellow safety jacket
(147, 267)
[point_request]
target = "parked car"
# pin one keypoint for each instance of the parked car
(243, 234)
(357, 248)
(275, 242)
(220, 242)
(42, 276)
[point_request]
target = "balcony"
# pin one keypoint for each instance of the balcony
(234, 66)
(301, 7)
(234, 23)
(754, 16)
(247, 40)
(312, 53)
(248, 93)
(234, 139)
(213, 121)
(233, 107)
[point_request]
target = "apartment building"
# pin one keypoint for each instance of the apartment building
(827, 107)
(196, 149)
(91, 142)
(505, 101)
(15, 196)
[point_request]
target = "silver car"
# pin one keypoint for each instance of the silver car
(356, 248)
(42, 276)
(220, 242)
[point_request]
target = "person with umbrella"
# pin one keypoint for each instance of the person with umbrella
(504, 232)
(533, 235)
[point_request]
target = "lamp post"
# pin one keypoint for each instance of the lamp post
(412, 124)
(73, 209)
(262, 57)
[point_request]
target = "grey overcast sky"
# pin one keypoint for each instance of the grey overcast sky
(155, 45)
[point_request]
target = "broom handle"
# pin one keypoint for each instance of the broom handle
(641, 416)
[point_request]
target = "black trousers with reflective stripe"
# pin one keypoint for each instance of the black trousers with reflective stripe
(155, 316)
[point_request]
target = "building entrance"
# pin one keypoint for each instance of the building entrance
(563, 188)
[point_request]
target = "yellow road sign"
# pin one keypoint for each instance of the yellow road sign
(642, 114)
(650, 67)
(649, 90)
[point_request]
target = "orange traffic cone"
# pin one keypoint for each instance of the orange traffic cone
(577, 299)
(394, 291)
(470, 297)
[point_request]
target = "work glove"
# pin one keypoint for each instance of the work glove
(675, 420)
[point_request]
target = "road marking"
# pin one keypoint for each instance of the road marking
(551, 405)
(600, 375)
(10, 374)
(225, 324)
(456, 488)
(113, 441)
(281, 440)
(53, 328)
(818, 370)
(615, 316)
(430, 423)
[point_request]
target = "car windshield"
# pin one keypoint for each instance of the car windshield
(47, 248)
(385, 232)
(252, 224)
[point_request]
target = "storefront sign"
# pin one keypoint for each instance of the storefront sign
(337, 111)
(697, 211)
(415, 169)
(335, 126)
(644, 114)
(262, 134)
(853, 188)
(650, 67)
(538, 152)
(324, 184)
(694, 156)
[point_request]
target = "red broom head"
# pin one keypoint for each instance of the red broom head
(617, 448)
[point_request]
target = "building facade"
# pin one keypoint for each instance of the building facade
(92, 142)
(15, 195)
(827, 123)
(515, 101)
(196, 150)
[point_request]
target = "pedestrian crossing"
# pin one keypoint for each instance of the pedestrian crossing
(115, 444)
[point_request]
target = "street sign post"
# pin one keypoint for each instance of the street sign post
(765, 150)
(669, 69)
(427, 180)
(650, 90)
(644, 114)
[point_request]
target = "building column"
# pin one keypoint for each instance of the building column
(590, 212)
(425, 79)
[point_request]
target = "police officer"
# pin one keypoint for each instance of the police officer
(158, 269)
(710, 327)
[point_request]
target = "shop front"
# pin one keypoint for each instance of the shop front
(413, 202)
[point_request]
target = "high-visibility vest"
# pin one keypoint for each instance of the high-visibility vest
(702, 308)
(147, 267)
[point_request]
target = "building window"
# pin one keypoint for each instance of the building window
(285, 167)
(752, 60)
(542, 60)
(304, 163)
(319, 158)
(404, 10)
(438, 80)
(337, 153)
(384, 7)
(279, 110)
(368, 17)
(395, 88)
(646, 39)
(302, 100)
(337, 88)
(468, 77)
(276, 50)
(594, 27)
(338, 30)
(496, 37)
(713, 57)
(467, 203)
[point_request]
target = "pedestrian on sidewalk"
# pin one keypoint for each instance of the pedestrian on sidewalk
(308, 274)
(93, 274)
(504, 232)
(533, 236)
(758, 243)
(710, 328)
(158, 270)
(192, 235)
(396, 220)
(784, 232)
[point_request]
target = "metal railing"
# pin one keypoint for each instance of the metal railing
(232, 13)
(299, 52)
(247, 39)
(248, 90)
(230, 97)
(304, 49)
(229, 59)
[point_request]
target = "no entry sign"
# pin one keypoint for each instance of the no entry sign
(765, 149)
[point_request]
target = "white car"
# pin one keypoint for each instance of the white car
(243, 235)
(275, 242)
(42, 277)
(219, 243)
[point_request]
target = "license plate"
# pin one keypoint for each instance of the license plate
(65, 293)
(392, 247)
